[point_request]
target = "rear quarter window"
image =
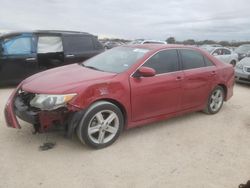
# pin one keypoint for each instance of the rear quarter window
(78, 43)
(208, 62)
(97, 44)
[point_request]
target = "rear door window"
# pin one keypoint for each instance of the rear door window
(226, 52)
(191, 59)
(49, 44)
(97, 44)
(78, 43)
(19, 45)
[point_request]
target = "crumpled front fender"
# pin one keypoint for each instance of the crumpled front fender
(9, 113)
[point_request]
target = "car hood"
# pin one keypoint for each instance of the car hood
(63, 79)
(245, 61)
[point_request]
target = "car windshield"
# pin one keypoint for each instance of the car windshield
(243, 49)
(115, 60)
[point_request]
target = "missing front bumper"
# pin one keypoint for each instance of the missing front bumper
(43, 121)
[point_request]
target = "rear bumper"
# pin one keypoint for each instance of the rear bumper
(230, 86)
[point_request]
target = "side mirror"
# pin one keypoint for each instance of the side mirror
(145, 72)
(215, 53)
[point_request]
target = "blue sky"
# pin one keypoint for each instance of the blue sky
(158, 19)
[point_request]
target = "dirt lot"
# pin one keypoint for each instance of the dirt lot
(195, 150)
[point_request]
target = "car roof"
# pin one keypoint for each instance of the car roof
(149, 40)
(63, 32)
(222, 47)
(160, 46)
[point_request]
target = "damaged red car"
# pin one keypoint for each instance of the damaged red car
(121, 88)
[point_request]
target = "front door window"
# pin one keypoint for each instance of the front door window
(19, 45)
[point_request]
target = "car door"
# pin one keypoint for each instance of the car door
(227, 55)
(78, 48)
(49, 50)
(199, 74)
(160, 94)
(18, 59)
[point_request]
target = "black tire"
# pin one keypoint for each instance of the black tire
(233, 62)
(90, 117)
(211, 110)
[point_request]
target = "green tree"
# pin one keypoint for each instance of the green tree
(224, 43)
(171, 40)
(189, 42)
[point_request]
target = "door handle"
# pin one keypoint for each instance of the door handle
(70, 55)
(213, 73)
(30, 59)
(179, 78)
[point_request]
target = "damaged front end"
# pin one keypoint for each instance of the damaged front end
(44, 112)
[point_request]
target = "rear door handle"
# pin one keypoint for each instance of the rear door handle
(70, 55)
(30, 59)
(213, 73)
(179, 78)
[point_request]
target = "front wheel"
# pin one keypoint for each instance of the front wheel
(101, 125)
(215, 101)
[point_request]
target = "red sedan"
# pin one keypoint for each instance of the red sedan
(121, 88)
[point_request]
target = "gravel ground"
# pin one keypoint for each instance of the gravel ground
(191, 151)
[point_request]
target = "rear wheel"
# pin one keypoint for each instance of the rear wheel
(215, 101)
(101, 125)
(233, 62)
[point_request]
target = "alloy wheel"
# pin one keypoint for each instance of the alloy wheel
(103, 126)
(216, 100)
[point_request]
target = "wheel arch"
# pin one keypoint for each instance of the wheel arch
(119, 105)
(224, 89)
(233, 60)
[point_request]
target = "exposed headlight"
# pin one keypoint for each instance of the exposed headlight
(50, 102)
(239, 66)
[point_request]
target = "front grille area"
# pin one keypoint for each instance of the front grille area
(247, 69)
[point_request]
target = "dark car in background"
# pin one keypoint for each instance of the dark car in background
(111, 44)
(25, 53)
(243, 51)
